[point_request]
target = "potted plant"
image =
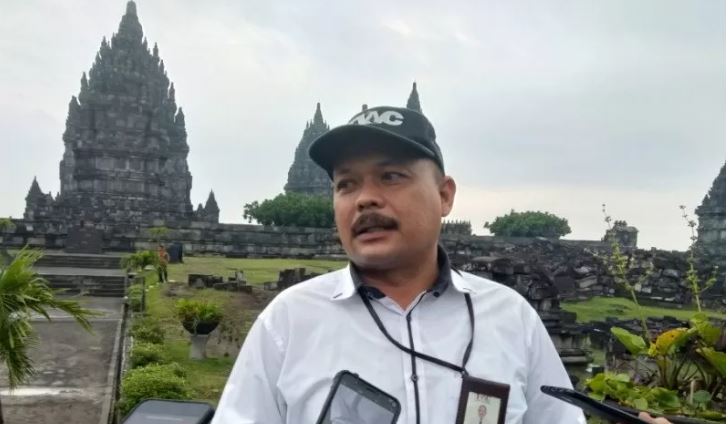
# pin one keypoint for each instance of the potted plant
(199, 318)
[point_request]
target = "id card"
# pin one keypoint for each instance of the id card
(482, 402)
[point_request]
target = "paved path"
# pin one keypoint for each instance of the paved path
(75, 370)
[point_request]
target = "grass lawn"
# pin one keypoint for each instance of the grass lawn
(598, 308)
(256, 271)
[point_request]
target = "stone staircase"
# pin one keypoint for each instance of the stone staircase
(86, 274)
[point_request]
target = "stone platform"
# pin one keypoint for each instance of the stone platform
(75, 370)
(86, 274)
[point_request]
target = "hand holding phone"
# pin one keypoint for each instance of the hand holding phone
(352, 400)
(593, 406)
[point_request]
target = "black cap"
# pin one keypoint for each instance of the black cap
(405, 127)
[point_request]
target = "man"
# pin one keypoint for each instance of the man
(163, 261)
(397, 302)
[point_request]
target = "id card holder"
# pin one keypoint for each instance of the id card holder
(482, 402)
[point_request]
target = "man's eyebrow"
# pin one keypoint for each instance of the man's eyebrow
(394, 162)
(339, 171)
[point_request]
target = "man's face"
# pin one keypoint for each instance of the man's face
(482, 411)
(388, 207)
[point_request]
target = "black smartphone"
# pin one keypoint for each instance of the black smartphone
(352, 400)
(592, 406)
(159, 411)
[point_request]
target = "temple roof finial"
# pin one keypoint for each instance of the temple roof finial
(131, 8)
(413, 102)
(318, 117)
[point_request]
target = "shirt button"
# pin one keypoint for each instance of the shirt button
(414, 378)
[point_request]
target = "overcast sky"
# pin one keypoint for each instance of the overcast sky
(557, 105)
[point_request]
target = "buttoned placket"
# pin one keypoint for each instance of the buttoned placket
(407, 374)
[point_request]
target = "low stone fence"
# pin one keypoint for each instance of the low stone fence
(573, 267)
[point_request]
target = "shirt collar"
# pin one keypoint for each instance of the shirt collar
(351, 280)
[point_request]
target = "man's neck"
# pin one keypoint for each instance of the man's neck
(403, 284)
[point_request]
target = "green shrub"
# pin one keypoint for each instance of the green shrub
(148, 331)
(152, 381)
(143, 354)
(140, 260)
(134, 294)
(529, 224)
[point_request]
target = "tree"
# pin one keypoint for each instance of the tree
(23, 293)
(292, 209)
(157, 234)
(529, 224)
(6, 225)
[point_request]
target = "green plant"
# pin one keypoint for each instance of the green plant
(685, 374)
(529, 224)
(140, 260)
(618, 266)
(292, 209)
(22, 293)
(157, 234)
(135, 295)
(153, 381)
(148, 331)
(143, 354)
(192, 313)
(6, 224)
(692, 274)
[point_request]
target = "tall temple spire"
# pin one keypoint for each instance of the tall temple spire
(413, 102)
(130, 28)
(304, 176)
(125, 117)
(211, 203)
(318, 118)
(210, 212)
(711, 217)
(131, 8)
(35, 190)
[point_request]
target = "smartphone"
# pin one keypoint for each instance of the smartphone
(159, 411)
(592, 406)
(352, 400)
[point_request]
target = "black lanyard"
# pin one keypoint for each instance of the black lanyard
(461, 369)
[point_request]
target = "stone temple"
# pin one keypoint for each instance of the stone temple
(304, 176)
(125, 158)
(711, 219)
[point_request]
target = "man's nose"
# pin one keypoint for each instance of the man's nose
(369, 196)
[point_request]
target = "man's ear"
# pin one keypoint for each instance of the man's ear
(447, 195)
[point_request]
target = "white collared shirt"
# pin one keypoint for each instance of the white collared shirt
(319, 327)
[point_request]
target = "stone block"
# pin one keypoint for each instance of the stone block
(671, 273)
(587, 282)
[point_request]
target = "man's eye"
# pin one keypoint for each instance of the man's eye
(343, 185)
(392, 176)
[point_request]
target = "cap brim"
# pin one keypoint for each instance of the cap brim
(326, 149)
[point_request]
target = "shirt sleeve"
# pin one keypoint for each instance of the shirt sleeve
(546, 368)
(251, 395)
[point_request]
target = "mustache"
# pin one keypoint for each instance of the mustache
(373, 219)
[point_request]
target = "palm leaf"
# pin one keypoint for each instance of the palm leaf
(24, 293)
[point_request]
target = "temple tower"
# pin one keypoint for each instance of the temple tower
(126, 149)
(305, 176)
